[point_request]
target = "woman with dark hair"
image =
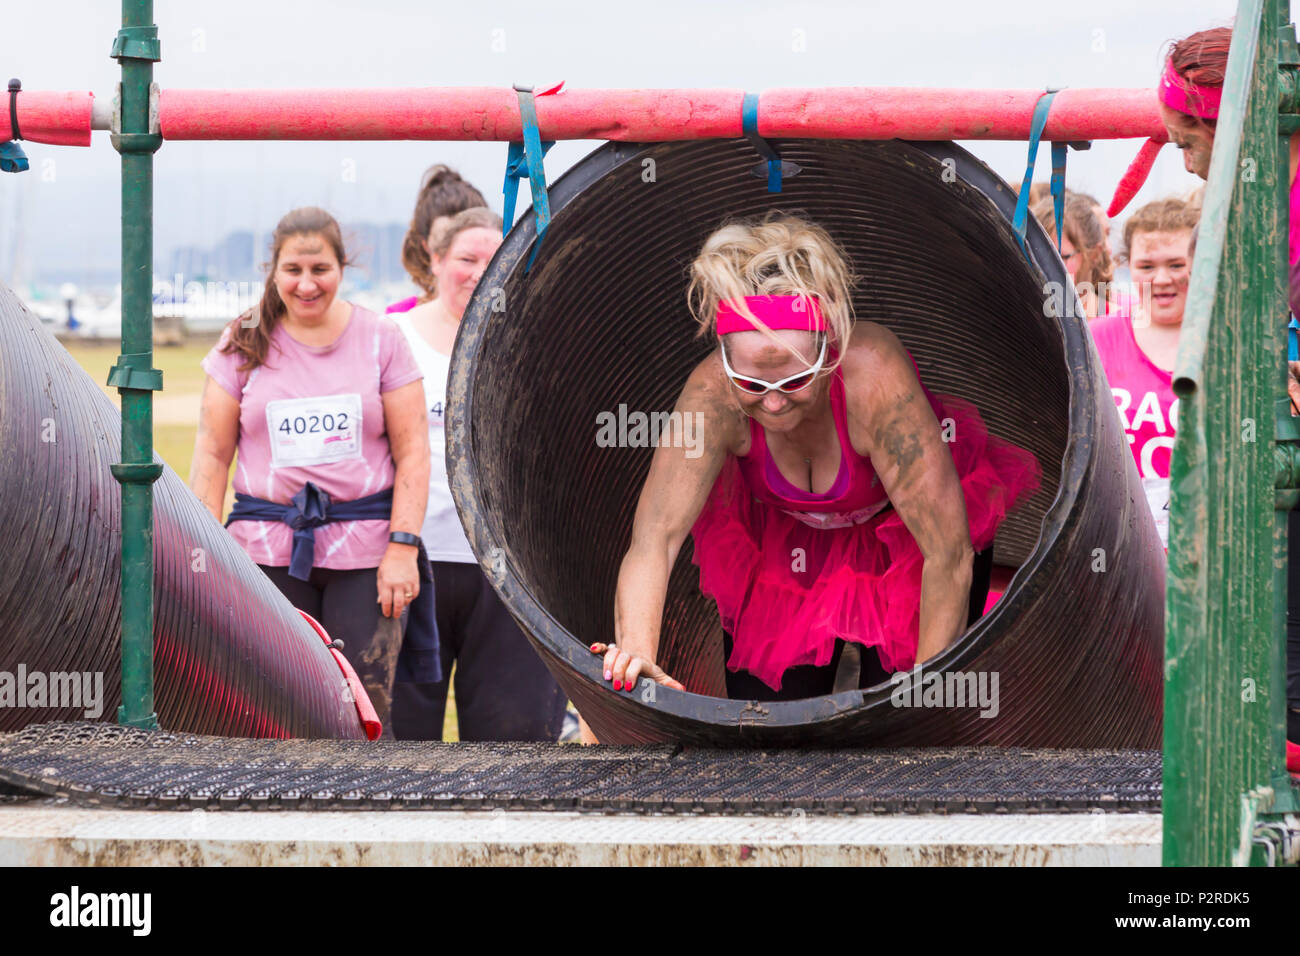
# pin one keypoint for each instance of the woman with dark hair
(443, 194)
(323, 402)
(1190, 89)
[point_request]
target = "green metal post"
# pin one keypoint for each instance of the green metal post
(1222, 643)
(136, 48)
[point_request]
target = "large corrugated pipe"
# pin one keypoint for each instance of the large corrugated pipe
(231, 655)
(601, 319)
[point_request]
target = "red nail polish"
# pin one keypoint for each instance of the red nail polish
(594, 646)
(618, 685)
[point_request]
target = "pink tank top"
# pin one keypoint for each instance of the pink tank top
(855, 497)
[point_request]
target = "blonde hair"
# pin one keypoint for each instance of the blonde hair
(479, 217)
(780, 254)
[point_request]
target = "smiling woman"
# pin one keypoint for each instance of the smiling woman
(324, 404)
(503, 690)
(1138, 350)
(835, 499)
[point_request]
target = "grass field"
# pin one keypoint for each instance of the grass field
(176, 416)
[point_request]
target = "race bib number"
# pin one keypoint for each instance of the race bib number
(1157, 490)
(314, 431)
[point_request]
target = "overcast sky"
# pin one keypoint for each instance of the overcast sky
(204, 190)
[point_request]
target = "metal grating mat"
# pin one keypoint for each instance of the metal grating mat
(110, 766)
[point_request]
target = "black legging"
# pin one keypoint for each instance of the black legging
(1293, 629)
(808, 680)
(503, 690)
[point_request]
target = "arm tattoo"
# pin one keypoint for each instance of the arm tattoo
(902, 443)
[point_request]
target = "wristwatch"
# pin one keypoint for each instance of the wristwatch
(404, 537)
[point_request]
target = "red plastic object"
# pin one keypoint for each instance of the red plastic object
(1136, 175)
(60, 119)
(365, 709)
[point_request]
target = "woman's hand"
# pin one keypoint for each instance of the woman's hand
(671, 500)
(624, 668)
(398, 578)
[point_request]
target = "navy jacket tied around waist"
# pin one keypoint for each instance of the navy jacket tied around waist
(419, 661)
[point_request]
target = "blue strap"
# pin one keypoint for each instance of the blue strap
(525, 159)
(749, 124)
(1059, 151)
(1020, 221)
(1292, 347)
(12, 158)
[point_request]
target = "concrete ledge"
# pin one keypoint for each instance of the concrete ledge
(41, 834)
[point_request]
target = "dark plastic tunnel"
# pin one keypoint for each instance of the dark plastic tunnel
(600, 319)
(231, 655)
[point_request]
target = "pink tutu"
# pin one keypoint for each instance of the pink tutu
(786, 590)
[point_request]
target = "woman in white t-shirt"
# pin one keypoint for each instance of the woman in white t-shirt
(503, 690)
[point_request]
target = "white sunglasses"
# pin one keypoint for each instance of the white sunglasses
(757, 386)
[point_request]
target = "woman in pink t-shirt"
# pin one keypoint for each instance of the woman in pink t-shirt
(324, 403)
(1138, 351)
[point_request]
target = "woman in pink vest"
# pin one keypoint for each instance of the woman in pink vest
(831, 497)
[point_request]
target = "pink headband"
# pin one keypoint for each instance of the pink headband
(1179, 93)
(775, 311)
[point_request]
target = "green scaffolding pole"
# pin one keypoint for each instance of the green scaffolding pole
(136, 48)
(1224, 716)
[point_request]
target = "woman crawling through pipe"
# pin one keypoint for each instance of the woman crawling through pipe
(831, 497)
